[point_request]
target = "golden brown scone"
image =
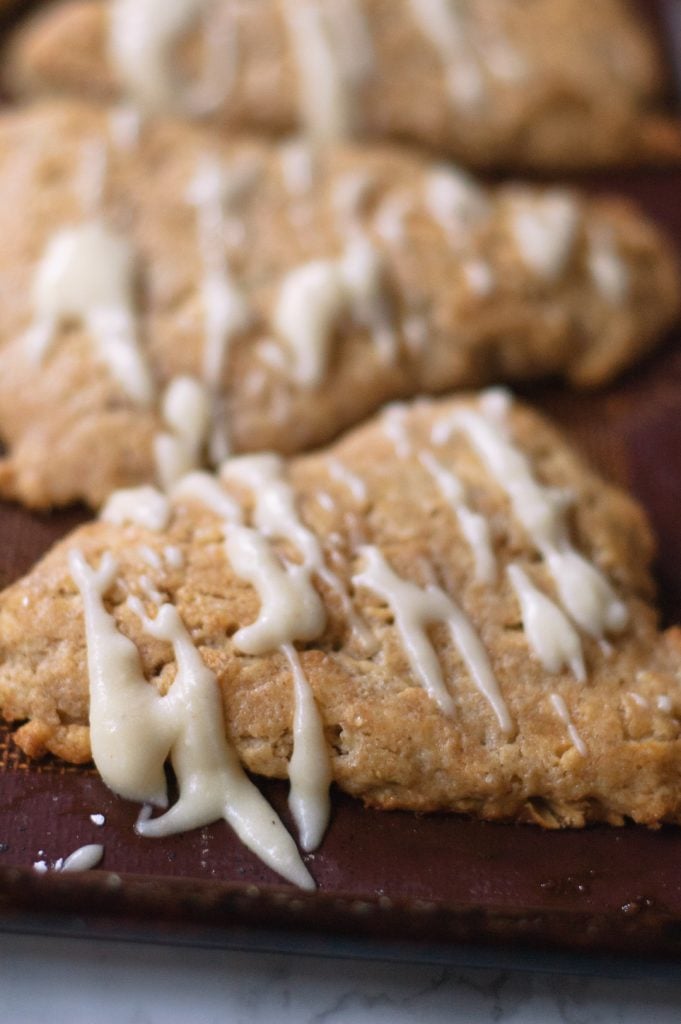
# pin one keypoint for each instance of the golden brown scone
(302, 291)
(554, 84)
(475, 502)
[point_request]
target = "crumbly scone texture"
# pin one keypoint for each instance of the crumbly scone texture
(460, 301)
(555, 84)
(390, 743)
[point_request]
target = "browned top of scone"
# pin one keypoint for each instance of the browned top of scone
(552, 84)
(613, 753)
(470, 286)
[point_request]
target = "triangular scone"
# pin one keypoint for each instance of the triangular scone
(297, 291)
(485, 640)
(554, 84)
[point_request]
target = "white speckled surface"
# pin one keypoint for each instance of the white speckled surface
(80, 982)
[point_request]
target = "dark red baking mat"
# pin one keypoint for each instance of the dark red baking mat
(393, 883)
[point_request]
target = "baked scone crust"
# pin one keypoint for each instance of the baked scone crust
(456, 296)
(553, 85)
(390, 743)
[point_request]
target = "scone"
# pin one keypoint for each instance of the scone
(551, 84)
(447, 610)
(170, 297)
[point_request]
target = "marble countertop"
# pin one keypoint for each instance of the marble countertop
(78, 981)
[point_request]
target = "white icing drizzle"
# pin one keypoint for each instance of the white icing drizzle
(134, 729)
(349, 198)
(607, 649)
(83, 859)
(315, 297)
(90, 179)
(606, 266)
(502, 60)
(297, 159)
(142, 41)
(149, 591)
(560, 707)
(584, 591)
(123, 707)
(544, 229)
(389, 222)
(218, 191)
(354, 483)
(362, 265)
(144, 506)
(351, 38)
(638, 699)
(394, 424)
(325, 501)
(479, 277)
(325, 103)
(298, 162)
(124, 127)
(87, 275)
(445, 23)
(333, 51)
(474, 527)
(415, 609)
(272, 355)
(142, 38)
(363, 273)
(226, 312)
(275, 517)
(173, 556)
(275, 514)
(186, 411)
(151, 557)
(309, 769)
(214, 191)
(221, 58)
(206, 489)
(496, 403)
(416, 333)
(549, 633)
(290, 607)
(664, 703)
(456, 203)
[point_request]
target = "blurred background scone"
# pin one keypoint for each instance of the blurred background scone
(551, 85)
(176, 296)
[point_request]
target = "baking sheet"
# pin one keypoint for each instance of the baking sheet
(438, 887)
